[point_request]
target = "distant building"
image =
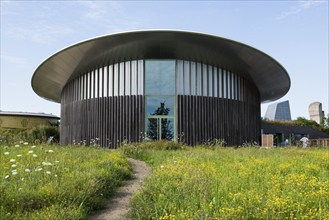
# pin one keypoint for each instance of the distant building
(316, 113)
(25, 120)
(279, 111)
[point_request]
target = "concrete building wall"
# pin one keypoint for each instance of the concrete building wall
(24, 122)
(315, 111)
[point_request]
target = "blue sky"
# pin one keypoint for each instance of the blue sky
(295, 33)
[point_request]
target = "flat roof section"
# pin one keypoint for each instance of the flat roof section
(45, 115)
(269, 76)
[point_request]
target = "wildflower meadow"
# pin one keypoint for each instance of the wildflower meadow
(228, 183)
(54, 182)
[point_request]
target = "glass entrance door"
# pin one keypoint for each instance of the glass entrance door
(160, 128)
(160, 117)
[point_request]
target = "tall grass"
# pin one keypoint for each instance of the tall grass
(53, 182)
(226, 183)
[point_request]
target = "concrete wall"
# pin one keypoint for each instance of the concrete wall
(315, 110)
(24, 122)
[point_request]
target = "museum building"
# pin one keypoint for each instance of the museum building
(160, 84)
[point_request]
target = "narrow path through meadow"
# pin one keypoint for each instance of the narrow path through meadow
(118, 206)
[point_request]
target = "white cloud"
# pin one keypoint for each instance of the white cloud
(300, 7)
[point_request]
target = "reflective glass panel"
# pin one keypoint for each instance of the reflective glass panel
(122, 78)
(127, 78)
(204, 80)
(180, 80)
(78, 88)
(186, 78)
(193, 81)
(96, 83)
(228, 85)
(105, 79)
(239, 88)
(101, 82)
(110, 76)
(140, 75)
(87, 85)
(160, 128)
(234, 86)
(198, 79)
(133, 77)
(152, 128)
(116, 80)
(160, 105)
(210, 81)
(224, 84)
(215, 82)
(167, 129)
(160, 77)
(92, 95)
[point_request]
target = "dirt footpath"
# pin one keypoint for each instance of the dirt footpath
(118, 206)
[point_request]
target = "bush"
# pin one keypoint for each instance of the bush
(38, 135)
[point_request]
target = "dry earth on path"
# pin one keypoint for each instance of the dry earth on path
(118, 206)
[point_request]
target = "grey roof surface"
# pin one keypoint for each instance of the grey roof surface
(28, 114)
(292, 129)
(271, 79)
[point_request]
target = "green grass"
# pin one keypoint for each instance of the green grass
(227, 183)
(53, 182)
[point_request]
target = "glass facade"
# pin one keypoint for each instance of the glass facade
(160, 94)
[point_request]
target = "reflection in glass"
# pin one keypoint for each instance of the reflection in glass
(167, 129)
(160, 128)
(160, 105)
(152, 128)
(160, 77)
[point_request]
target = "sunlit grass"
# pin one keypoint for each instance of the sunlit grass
(53, 182)
(227, 183)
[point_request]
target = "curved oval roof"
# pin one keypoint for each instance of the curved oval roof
(271, 79)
